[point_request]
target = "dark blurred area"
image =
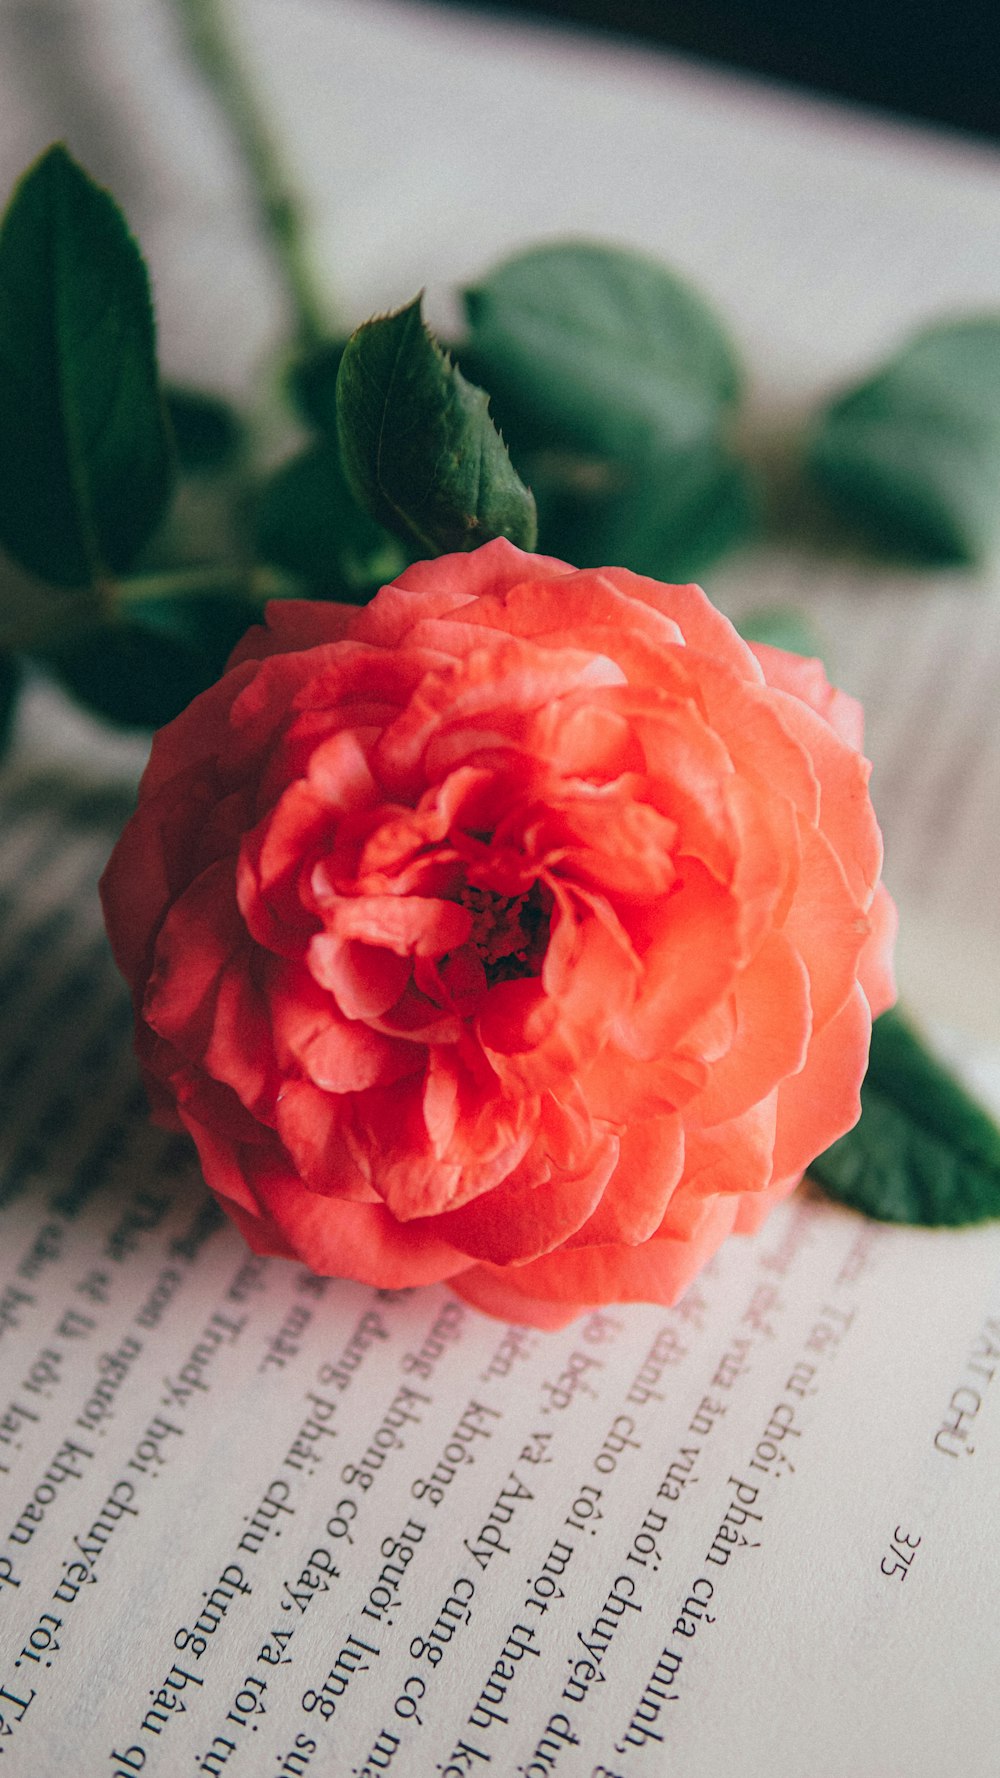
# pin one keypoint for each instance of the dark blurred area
(932, 61)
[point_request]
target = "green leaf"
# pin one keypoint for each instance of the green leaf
(780, 626)
(913, 454)
(613, 383)
(419, 449)
(208, 433)
(924, 1150)
(10, 685)
(312, 384)
(668, 517)
(85, 461)
(143, 670)
(601, 350)
(309, 522)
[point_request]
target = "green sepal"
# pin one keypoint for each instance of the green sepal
(924, 1150)
(418, 447)
(912, 455)
(86, 466)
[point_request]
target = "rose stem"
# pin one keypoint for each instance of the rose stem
(278, 206)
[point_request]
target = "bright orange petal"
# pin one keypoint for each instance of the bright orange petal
(805, 678)
(650, 1162)
(362, 1241)
(826, 925)
(498, 1292)
(846, 815)
(657, 1271)
(773, 1024)
(823, 1101)
(875, 970)
(365, 980)
(533, 1210)
(736, 1157)
(688, 968)
(314, 1127)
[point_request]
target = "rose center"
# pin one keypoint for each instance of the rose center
(510, 932)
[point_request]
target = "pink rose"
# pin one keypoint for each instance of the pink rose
(523, 929)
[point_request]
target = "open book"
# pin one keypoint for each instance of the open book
(262, 1524)
(258, 1522)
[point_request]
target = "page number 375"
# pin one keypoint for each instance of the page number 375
(902, 1550)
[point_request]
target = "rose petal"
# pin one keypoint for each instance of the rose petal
(651, 1160)
(352, 1240)
(770, 1040)
(875, 969)
(202, 732)
(846, 814)
(700, 623)
(293, 624)
(534, 1209)
(804, 677)
(497, 1291)
(690, 964)
(338, 1055)
(272, 860)
(515, 930)
(201, 993)
(823, 1101)
(432, 589)
(826, 926)
(222, 1162)
(657, 1271)
(313, 1126)
(410, 925)
(365, 980)
(490, 695)
(735, 1157)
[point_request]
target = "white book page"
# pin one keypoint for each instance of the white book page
(258, 1522)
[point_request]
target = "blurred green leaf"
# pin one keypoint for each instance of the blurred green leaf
(85, 461)
(312, 384)
(208, 432)
(668, 517)
(143, 670)
(613, 383)
(913, 453)
(419, 449)
(924, 1150)
(601, 350)
(10, 685)
(309, 522)
(782, 627)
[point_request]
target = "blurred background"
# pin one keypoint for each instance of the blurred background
(827, 177)
(918, 57)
